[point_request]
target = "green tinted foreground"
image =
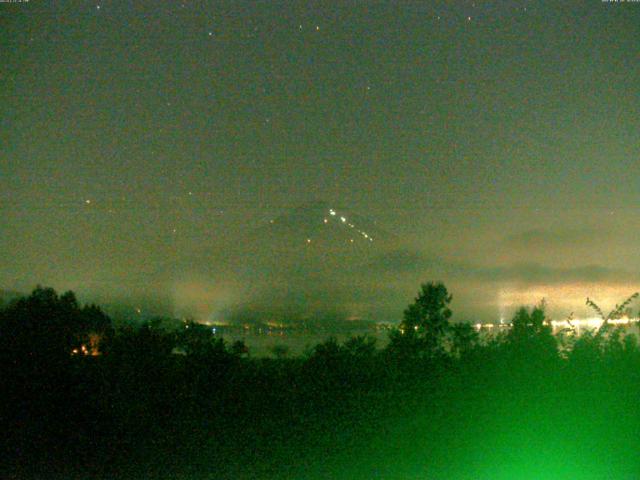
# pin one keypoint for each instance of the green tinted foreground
(512, 407)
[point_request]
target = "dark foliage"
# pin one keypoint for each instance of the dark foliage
(47, 328)
(439, 402)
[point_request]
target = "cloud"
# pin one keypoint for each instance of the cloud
(405, 262)
(542, 274)
(401, 261)
(557, 238)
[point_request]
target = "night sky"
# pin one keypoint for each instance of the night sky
(497, 142)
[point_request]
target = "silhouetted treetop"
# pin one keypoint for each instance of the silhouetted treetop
(425, 323)
(46, 325)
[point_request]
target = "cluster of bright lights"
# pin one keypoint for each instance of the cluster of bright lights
(344, 220)
(83, 350)
(592, 322)
(578, 323)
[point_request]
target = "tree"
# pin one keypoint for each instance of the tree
(464, 338)
(360, 346)
(614, 314)
(426, 322)
(50, 327)
(527, 324)
(530, 332)
(142, 343)
(239, 348)
(594, 344)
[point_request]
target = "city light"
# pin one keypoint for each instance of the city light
(578, 323)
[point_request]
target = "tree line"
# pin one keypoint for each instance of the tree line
(84, 399)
